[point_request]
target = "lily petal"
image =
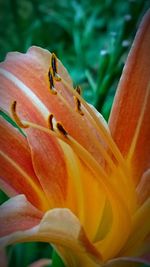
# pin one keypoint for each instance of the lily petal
(49, 165)
(60, 226)
(17, 214)
(17, 174)
(129, 119)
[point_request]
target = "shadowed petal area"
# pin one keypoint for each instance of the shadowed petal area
(62, 228)
(3, 258)
(127, 262)
(143, 188)
(129, 120)
(16, 170)
(18, 214)
(138, 242)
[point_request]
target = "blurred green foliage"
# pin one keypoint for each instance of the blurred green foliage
(91, 37)
(21, 255)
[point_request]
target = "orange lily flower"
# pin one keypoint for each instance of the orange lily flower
(74, 181)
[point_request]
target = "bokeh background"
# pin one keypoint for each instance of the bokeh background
(92, 38)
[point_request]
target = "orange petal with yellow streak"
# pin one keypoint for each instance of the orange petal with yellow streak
(129, 119)
(49, 165)
(17, 172)
(121, 220)
(83, 192)
(65, 179)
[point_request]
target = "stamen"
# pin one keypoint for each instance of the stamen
(54, 67)
(61, 129)
(105, 135)
(51, 82)
(78, 105)
(16, 117)
(50, 122)
(81, 151)
(100, 128)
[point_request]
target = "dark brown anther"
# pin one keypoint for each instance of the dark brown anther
(78, 89)
(77, 101)
(50, 122)
(16, 117)
(53, 63)
(61, 129)
(51, 82)
(54, 67)
(78, 105)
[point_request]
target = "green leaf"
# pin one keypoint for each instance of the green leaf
(56, 260)
(11, 121)
(3, 197)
